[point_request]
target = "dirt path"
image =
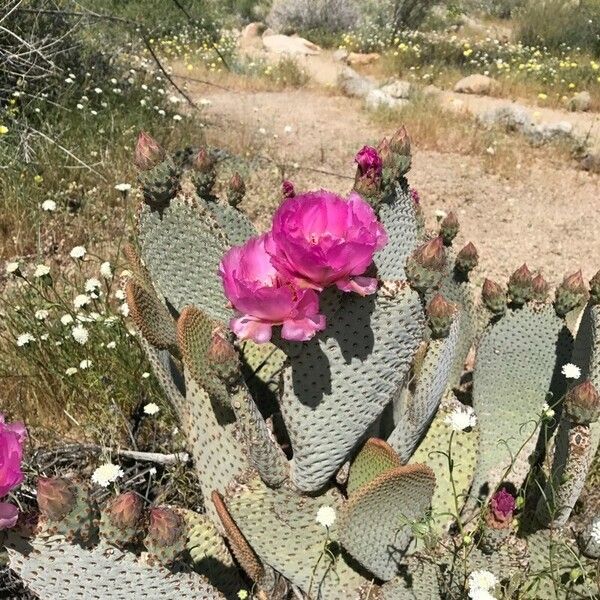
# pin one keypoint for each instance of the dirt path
(549, 216)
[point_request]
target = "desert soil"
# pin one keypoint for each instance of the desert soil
(548, 215)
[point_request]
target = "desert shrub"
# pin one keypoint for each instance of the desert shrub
(306, 15)
(554, 23)
(399, 14)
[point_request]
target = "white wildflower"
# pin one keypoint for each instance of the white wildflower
(80, 334)
(594, 531)
(106, 474)
(85, 364)
(41, 314)
(120, 295)
(106, 270)
(145, 375)
(461, 418)
(111, 345)
(481, 594)
(547, 411)
(11, 267)
(97, 90)
(326, 516)
(288, 129)
(78, 252)
(92, 285)
(151, 408)
(124, 309)
(24, 339)
(440, 214)
(123, 187)
(44, 337)
(177, 117)
(262, 131)
(571, 371)
(49, 205)
(41, 271)
(481, 581)
(242, 594)
(81, 300)
(71, 371)
(66, 319)
(204, 102)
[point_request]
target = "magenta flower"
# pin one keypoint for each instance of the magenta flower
(12, 439)
(264, 298)
(369, 162)
(503, 505)
(319, 239)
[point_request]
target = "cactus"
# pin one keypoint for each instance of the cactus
(342, 466)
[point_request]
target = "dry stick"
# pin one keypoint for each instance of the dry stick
(196, 80)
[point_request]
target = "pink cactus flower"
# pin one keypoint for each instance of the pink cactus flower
(369, 162)
(264, 298)
(287, 188)
(12, 439)
(319, 239)
(503, 505)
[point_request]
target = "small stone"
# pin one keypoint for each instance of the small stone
(352, 84)
(378, 98)
(397, 89)
(476, 84)
(580, 102)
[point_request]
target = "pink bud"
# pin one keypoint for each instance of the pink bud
(125, 510)
(503, 505)
(148, 152)
(287, 188)
(166, 527)
(56, 497)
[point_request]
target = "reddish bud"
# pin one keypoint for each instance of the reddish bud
(384, 150)
(56, 497)
(125, 510)
(449, 227)
(203, 161)
(582, 403)
(493, 296)
(148, 152)
(166, 527)
(520, 285)
(431, 254)
(540, 288)
(440, 313)
(570, 293)
(503, 505)
(467, 259)
(287, 189)
(237, 189)
(595, 288)
(400, 142)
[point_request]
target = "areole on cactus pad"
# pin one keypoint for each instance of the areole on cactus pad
(318, 372)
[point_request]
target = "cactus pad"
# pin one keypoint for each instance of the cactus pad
(339, 382)
(376, 457)
(375, 523)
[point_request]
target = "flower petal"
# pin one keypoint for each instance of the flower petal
(248, 328)
(302, 330)
(365, 286)
(9, 515)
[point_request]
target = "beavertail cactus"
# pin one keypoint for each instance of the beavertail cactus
(318, 372)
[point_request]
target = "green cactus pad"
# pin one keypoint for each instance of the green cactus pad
(136, 266)
(375, 457)
(418, 582)
(55, 570)
(338, 383)
(418, 408)
(182, 247)
(464, 455)
(160, 184)
(517, 366)
(235, 224)
(398, 216)
(264, 362)
(151, 316)
(375, 523)
(282, 529)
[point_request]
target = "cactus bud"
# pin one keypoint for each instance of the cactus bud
(223, 358)
(287, 189)
(595, 288)
(570, 294)
(494, 297)
(400, 142)
(540, 288)
(503, 505)
(384, 151)
(205, 174)
(368, 172)
(466, 259)
(56, 497)
(449, 228)
(203, 161)
(148, 152)
(425, 265)
(520, 286)
(582, 403)
(440, 314)
(125, 510)
(166, 527)
(236, 190)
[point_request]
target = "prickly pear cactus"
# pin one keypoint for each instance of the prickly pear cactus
(357, 462)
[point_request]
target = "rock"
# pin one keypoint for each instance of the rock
(549, 132)
(513, 117)
(356, 58)
(581, 101)
(379, 99)
(340, 55)
(251, 36)
(292, 45)
(476, 84)
(397, 89)
(591, 162)
(431, 90)
(353, 84)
